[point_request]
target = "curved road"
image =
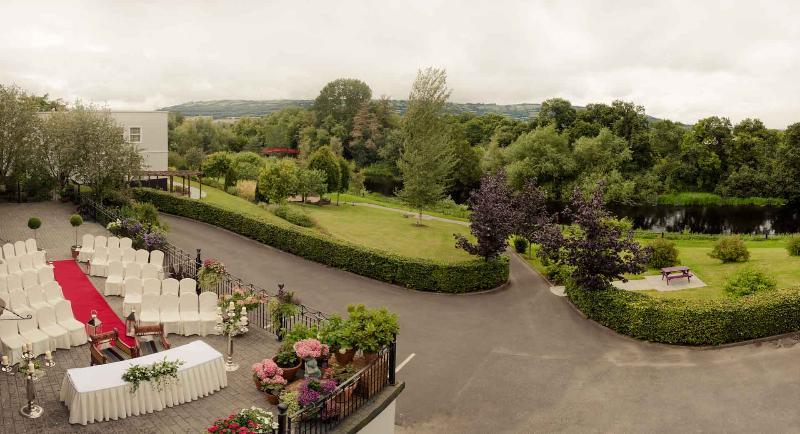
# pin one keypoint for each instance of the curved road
(523, 360)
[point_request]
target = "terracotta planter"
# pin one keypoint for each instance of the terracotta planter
(272, 399)
(346, 357)
(75, 252)
(370, 357)
(290, 373)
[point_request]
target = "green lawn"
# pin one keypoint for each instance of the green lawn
(380, 229)
(767, 255)
(394, 202)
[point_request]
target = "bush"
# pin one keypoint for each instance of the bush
(793, 246)
(416, 273)
(558, 274)
(748, 281)
(246, 189)
(293, 216)
(691, 322)
(730, 249)
(34, 223)
(664, 254)
(520, 245)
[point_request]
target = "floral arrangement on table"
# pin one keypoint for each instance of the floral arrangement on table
(159, 374)
(210, 273)
(251, 420)
(269, 377)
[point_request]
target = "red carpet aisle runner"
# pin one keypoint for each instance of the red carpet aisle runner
(78, 289)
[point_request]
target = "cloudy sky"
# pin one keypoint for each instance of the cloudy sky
(681, 60)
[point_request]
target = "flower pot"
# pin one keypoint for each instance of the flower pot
(272, 399)
(370, 357)
(346, 357)
(75, 252)
(290, 373)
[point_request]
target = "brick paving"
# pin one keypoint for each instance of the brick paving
(56, 236)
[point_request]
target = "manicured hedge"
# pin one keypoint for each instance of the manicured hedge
(421, 274)
(692, 322)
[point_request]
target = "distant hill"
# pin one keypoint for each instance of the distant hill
(237, 108)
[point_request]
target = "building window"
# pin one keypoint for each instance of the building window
(135, 134)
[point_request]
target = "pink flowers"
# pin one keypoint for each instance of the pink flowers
(310, 349)
(269, 376)
(214, 266)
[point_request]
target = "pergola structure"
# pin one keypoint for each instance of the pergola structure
(186, 175)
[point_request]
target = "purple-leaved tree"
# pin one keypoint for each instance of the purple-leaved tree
(532, 218)
(493, 217)
(598, 248)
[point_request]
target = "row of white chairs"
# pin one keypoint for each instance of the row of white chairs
(134, 288)
(90, 243)
(17, 249)
(29, 261)
(103, 256)
(25, 298)
(26, 279)
(186, 314)
(119, 272)
(54, 327)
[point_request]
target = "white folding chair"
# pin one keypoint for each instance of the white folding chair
(59, 336)
(125, 243)
(128, 256)
(26, 263)
(188, 286)
(150, 309)
(190, 316)
(45, 275)
(133, 295)
(52, 293)
(116, 274)
(14, 282)
(31, 334)
(170, 316)
(151, 286)
(10, 339)
(169, 287)
(75, 328)
(40, 260)
(113, 242)
(19, 248)
(87, 248)
(100, 241)
(13, 265)
(99, 261)
(30, 246)
(29, 279)
(142, 256)
(208, 313)
(8, 250)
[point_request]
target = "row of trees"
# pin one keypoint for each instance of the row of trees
(40, 152)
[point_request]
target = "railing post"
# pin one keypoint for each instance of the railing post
(198, 262)
(283, 419)
(392, 360)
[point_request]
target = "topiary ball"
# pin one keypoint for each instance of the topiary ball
(75, 220)
(34, 223)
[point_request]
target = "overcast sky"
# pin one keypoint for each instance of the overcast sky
(681, 60)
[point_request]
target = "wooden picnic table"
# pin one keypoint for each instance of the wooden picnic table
(678, 272)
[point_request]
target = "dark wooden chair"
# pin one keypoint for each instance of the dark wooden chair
(150, 339)
(107, 348)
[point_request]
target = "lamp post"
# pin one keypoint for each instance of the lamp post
(131, 323)
(231, 323)
(94, 325)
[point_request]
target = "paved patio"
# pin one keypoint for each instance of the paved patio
(56, 236)
(659, 284)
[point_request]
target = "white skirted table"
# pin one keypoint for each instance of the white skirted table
(98, 393)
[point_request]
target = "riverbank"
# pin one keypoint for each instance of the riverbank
(710, 199)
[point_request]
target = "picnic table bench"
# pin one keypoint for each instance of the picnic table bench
(679, 272)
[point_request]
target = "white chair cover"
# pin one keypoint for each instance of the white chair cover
(169, 287)
(125, 243)
(52, 293)
(36, 298)
(75, 328)
(31, 334)
(8, 250)
(188, 285)
(11, 341)
(29, 279)
(170, 316)
(45, 275)
(3, 269)
(26, 262)
(59, 336)
(149, 271)
(3, 282)
(114, 280)
(208, 313)
(114, 254)
(142, 256)
(151, 286)
(128, 256)
(100, 241)
(133, 296)
(99, 262)
(149, 313)
(190, 316)
(13, 265)
(113, 242)
(87, 248)
(19, 248)
(30, 246)
(157, 258)
(40, 260)
(14, 282)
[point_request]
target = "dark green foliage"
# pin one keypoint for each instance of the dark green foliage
(34, 223)
(692, 322)
(293, 215)
(421, 274)
(664, 253)
(730, 249)
(325, 160)
(793, 246)
(747, 281)
(559, 274)
(75, 220)
(520, 245)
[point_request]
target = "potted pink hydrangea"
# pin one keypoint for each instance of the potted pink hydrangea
(268, 377)
(310, 350)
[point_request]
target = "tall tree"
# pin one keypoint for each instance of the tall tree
(18, 130)
(790, 162)
(325, 160)
(341, 99)
(543, 155)
(558, 112)
(278, 180)
(426, 161)
(493, 218)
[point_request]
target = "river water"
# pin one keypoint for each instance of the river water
(712, 219)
